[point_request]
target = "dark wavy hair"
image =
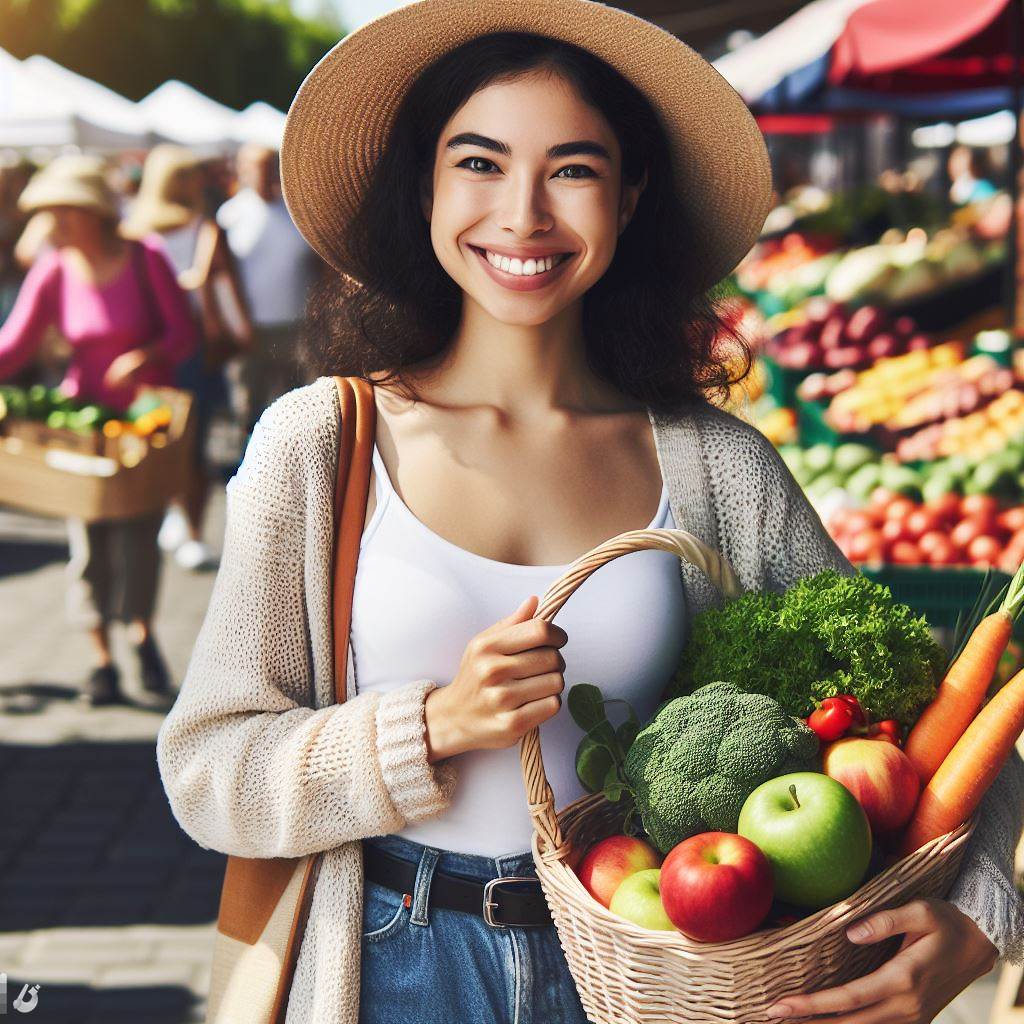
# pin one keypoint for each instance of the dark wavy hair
(649, 328)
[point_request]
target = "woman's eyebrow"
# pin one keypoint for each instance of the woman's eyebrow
(580, 147)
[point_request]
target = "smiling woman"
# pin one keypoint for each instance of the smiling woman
(579, 144)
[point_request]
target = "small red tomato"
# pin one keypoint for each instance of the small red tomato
(1012, 519)
(831, 720)
(881, 496)
(946, 507)
(920, 522)
(944, 554)
(983, 506)
(859, 717)
(893, 530)
(984, 549)
(866, 546)
(967, 530)
(899, 508)
(930, 541)
(905, 552)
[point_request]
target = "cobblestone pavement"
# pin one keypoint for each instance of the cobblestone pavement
(104, 903)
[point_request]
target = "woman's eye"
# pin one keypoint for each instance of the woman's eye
(587, 172)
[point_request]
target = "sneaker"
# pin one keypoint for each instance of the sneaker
(102, 687)
(152, 668)
(174, 529)
(194, 554)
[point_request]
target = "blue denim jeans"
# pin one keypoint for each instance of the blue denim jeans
(439, 966)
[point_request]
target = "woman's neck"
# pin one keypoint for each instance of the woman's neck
(526, 371)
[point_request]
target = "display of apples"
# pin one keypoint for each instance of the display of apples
(879, 775)
(951, 530)
(815, 834)
(638, 899)
(612, 860)
(716, 886)
(835, 337)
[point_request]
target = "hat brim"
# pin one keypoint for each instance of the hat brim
(43, 194)
(339, 120)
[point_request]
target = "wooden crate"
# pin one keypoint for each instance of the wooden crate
(137, 479)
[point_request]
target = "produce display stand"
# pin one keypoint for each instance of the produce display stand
(41, 473)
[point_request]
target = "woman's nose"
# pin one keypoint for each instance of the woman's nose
(526, 207)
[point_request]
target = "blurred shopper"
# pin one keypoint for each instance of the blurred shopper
(278, 269)
(128, 323)
(171, 203)
(969, 173)
(14, 176)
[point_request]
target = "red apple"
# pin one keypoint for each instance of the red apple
(716, 886)
(611, 860)
(879, 775)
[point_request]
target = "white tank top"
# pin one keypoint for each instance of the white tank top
(418, 600)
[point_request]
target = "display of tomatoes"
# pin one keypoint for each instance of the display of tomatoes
(969, 531)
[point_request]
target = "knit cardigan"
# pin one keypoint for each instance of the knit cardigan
(258, 761)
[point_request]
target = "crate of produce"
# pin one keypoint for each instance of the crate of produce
(124, 470)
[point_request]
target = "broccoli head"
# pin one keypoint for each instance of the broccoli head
(693, 766)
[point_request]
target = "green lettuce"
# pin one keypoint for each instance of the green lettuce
(827, 634)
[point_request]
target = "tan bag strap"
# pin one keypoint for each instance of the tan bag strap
(357, 429)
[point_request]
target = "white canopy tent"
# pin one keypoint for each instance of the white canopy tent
(33, 115)
(262, 123)
(184, 115)
(100, 104)
(992, 130)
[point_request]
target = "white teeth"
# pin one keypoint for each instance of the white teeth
(522, 268)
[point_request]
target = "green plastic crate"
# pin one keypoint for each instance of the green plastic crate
(938, 594)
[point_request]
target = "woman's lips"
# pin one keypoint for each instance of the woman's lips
(521, 283)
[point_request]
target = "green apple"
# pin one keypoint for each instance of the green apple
(815, 834)
(638, 899)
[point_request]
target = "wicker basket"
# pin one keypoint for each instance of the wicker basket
(626, 974)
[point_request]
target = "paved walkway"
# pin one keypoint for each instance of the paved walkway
(104, 903)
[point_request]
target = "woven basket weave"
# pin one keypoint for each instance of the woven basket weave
(626, 974)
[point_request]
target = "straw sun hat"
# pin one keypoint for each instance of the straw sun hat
(340, 118)
(71, 180)
(158, 206)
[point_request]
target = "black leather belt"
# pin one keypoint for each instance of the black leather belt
(508, 901)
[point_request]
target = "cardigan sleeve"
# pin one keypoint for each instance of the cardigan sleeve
(985, 889)
(251, 768)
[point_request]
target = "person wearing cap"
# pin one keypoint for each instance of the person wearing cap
(170, 204)
(127, 322)
(526, 204)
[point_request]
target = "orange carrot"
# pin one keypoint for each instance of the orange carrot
(956, 789)
(963, 690)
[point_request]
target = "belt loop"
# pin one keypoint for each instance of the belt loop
(424, 875)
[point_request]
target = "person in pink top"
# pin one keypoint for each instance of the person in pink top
(119, 306)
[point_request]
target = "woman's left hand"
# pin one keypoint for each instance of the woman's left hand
(123, 371)
(942, 952)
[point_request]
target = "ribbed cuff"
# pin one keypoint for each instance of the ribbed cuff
(997, 914)
(417, 787)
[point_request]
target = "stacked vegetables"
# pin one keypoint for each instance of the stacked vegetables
(776, 691)
(50, 417)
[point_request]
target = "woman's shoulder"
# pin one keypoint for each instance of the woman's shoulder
(293, 446)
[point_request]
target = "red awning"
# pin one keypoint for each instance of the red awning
(796, 124)
(911, 46)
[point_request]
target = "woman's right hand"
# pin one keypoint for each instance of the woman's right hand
(509, 680)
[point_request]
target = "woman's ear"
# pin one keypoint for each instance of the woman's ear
(630, 197)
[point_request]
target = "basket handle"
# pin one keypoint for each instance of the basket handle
(687, 548)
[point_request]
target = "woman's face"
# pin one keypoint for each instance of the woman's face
(526, 170)
(73, 225)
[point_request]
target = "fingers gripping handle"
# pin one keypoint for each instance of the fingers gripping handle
(687, 548)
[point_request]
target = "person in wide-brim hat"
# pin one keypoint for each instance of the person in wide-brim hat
(76, 179)
(167, 192)
(525, 205)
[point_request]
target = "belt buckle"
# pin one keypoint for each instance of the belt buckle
(490, 905)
